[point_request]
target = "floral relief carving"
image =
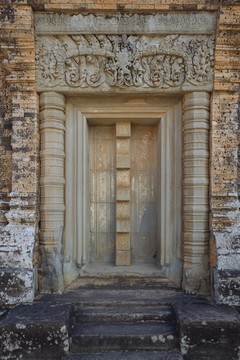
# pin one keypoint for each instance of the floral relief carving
(80, 61)
(49, 64)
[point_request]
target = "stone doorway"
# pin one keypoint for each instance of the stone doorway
(90, 168)
(138, 244)
(148, 71)
(65, 125)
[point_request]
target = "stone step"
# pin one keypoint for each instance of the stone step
(100, 314)
(121, 282)
(138, 336)
(113, 296)
(127, 355)
(35, 331)
(90, 281)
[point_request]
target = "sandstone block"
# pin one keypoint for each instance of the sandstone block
(123, 225)
(122, 241)
(123, 258)
(123, 193)
(123, 146)
(123, 161)
(123, 129)
(123, 209)
(123, 178)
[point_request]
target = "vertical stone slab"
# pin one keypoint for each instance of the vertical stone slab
(195, 192)
(123, 135)
(52, 155)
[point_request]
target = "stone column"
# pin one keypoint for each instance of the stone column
(52, 155)
(123, 134)
(195, 192)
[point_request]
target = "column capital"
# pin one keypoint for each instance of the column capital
(50, 99)
(195, 99)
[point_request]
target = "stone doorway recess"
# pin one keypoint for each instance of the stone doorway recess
(85, 118)
(65, 186)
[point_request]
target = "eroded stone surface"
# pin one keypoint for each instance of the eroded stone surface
(208, 331)
(16, 285)
(145, 336)
(128, 355)
(19, 133)
(137, 23)
(224, 165)
(38, 331)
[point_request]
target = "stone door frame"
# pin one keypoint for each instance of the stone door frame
(83, 111)
(167, 61)
(58, 257)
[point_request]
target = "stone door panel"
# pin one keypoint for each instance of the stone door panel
(143, 204)
(102, 164)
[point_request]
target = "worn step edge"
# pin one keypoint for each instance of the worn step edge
(120, 303)
(122, 314)
(116, 283)
(145, 336)
(102, 274)
(127, 355)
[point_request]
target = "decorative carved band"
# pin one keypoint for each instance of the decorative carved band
(82, 61)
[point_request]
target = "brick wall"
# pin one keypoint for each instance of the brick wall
(19, 111)
(5, 144)
(224, 162)
(113, 5)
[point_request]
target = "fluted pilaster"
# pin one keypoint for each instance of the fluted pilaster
(52, 155)
(195, 190)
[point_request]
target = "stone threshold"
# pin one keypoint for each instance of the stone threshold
(138, 270)
(98, 275)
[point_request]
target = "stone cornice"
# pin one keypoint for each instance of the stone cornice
(125, 23)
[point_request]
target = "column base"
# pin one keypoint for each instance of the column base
(196, 279)
(51, 272)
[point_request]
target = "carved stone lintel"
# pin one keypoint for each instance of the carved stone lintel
(83, 62)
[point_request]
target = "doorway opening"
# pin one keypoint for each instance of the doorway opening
(155, 183)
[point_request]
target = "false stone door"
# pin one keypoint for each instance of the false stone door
(123, 184)
(123, 193)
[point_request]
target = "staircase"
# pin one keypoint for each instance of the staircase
(120, 318)
(116, 327)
